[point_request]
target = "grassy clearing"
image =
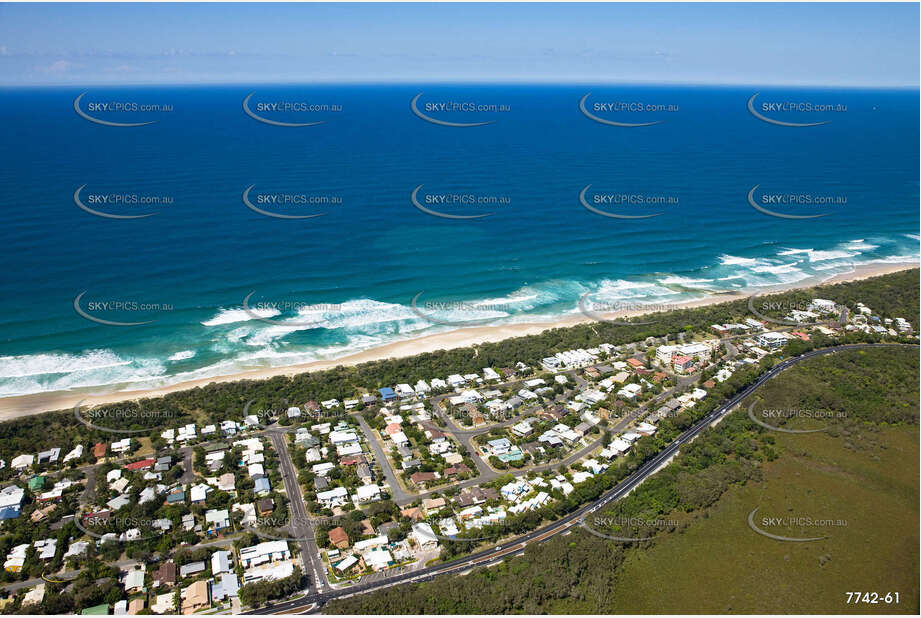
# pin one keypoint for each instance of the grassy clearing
(720, 565)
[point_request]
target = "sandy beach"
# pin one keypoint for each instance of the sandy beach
(12, 407)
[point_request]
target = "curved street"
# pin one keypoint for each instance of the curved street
(313, 602)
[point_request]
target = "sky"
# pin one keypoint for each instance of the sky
(817, 44)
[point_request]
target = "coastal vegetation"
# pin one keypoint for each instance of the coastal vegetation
(693, 513)
(894, 294)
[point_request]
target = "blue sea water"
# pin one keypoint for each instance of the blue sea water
(345, 281)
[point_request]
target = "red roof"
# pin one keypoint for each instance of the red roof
(422, 477)
(166, 574)
(634, 362)
(414, 513)
(452, 470)
(339, 537)
(97, 517)
(99, 450)
(140, 465)
(434, 434)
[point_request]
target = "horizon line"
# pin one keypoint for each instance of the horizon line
(463, 82)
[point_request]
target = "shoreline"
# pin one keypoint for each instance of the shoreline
(25, 405)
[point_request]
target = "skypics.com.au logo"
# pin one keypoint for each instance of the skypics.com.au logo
(288, 112)
(626, 529)
(623, 112)
(120, 205)
(795, 205)
(105, 418)
(119, 113)
(792, 112)
(624, 205)
(289, 205)
(458, 205)
(464, 113)
(103, 310)
(459, 312)
(771, 527)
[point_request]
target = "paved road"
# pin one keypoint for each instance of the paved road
(576, 518)
(396, 491)
(300, 526)
(464, 436)
(487, 473)
(188, 465)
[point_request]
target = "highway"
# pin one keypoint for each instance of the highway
(313, 602)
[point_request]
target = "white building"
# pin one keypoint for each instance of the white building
(220, 562)
(695, 350)
(367, 493)
(772, 340)
(399, 438)
(630, 391)
(77, 453)
(424, 536)
(404, 391)
(823, 305)
(342, 437)
(336, 496)
(522, 429)
(490, 374)
(269, 551)
(664, 353)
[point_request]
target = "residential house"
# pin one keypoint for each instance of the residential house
(165, 575)
(164, 604)
(424, 536)
(422, 478)
(195, 597)
(265, 506)
(191, 569)
(134, 580)
(333, 497)
(338, 537)
(227, 587)
(263, 553)
(219, 520)
(221, 562)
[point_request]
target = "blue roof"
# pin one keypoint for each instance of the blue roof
(9, 512)
(262, 484)
(387, 392)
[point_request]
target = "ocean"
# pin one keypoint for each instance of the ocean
(101, 303)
